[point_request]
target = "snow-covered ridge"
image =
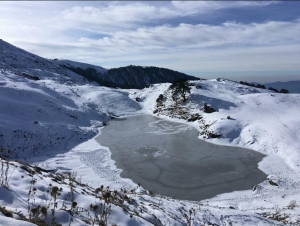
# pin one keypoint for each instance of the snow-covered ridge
(52, 122)
(29, 65)
(85, 66)
(23, 63)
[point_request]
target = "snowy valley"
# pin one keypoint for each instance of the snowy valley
(54, 170)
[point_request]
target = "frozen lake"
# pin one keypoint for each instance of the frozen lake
(168, 157)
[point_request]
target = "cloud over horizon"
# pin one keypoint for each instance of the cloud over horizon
(194, 37)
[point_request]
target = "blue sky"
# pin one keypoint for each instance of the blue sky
(253, 41)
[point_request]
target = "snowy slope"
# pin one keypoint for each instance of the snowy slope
(84, 66)
(47, 114)
(52, 122)
(31, 66)
(259, 119)
(23, 63)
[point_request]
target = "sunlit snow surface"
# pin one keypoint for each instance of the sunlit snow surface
(53, 122)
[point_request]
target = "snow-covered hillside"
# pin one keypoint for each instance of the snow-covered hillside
(25, 64)
(51, 124)
(83, 66)
(31, 66)
(259, 119)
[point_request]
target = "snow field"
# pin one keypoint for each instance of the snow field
(52, 123)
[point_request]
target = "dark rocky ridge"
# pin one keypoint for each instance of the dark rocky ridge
(139, 77)
(131, 76)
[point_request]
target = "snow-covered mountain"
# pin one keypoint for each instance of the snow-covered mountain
(23, 63)
(50, 115)
(291, 86)
(30, 65)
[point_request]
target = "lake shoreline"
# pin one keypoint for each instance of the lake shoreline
(164, 172)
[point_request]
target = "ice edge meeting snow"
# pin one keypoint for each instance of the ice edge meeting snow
(51, 115)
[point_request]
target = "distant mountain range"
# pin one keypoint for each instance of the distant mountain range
(281, 87)
(30, 65)
(291, 86)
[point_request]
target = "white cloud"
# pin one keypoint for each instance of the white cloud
(114, 17)
(202, 36)
(120, 16)
(114, 34)
(230, 46)
(201, 7)
(39, 21)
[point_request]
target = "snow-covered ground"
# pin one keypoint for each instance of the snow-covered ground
(260, 120)
(52, 123)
